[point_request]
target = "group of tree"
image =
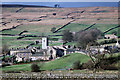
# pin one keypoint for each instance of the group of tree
(67, 36)
(5, 49)
(83, 38)
(56, 5)
(87, 38)
(5, 52)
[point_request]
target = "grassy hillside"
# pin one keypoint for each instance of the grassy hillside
(61, 63)
(77, 26)
(64, 62)
(42, 30)
(39, 21)
(33, 29)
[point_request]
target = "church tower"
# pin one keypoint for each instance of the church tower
(44, 42)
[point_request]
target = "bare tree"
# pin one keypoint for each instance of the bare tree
(88, 38)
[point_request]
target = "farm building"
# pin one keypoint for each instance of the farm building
(110, 36)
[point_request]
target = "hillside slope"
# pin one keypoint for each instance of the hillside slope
(64, 62)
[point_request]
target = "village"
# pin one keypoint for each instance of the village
(54, 52)
(57, 42)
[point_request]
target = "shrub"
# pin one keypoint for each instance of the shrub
(102, 63)
(67, 36)
(5, 64)
(11, 71)
(53, 29)
(108, 67)
(35, 68)
(107, 64)
(88, 65)
(77, 65)
(5, 49)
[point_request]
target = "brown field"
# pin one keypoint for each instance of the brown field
(99, 15)
(39, 21)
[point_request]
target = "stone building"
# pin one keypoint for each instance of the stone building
(110, 36)
(44, 42)
(21, 54)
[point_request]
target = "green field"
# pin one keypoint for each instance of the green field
(61, 63)
(64, 62)
(44, 30)
(76, 27)
(33, 29)
(9, 37)
(16, 43)
(103, 27)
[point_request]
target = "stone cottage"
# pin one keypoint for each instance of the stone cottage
(110, 36)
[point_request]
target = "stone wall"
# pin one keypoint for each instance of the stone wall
(60, 76)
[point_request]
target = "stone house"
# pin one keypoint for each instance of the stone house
(41, 54)
(23, 56)
(110, 36)
(59, 51)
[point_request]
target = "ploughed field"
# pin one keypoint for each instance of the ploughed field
(31, 22)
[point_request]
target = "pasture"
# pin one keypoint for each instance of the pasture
(39, 21)
(64, 62)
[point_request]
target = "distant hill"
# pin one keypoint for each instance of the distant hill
(19, 5)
